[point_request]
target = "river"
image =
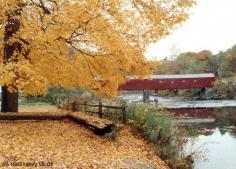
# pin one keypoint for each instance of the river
(210, 126)
(211, 137)
(180, 102)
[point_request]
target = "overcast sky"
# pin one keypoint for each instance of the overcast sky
(211, 26)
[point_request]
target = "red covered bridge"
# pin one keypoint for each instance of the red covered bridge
(162, 82)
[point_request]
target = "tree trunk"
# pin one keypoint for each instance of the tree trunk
(10, 100)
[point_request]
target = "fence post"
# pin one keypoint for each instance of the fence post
(73, 106)
(123, 110)
(100, 109)
(85, 107)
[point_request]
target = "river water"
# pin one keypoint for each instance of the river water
(179, 102)
(211, 139)
(210, 126)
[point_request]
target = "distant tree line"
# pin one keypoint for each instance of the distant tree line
(222, 64)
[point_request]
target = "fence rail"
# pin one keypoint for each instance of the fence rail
(100, 106)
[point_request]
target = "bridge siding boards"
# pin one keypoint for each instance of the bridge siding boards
(162, 82)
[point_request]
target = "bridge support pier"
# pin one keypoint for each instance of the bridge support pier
(202, 93)
(146, 95)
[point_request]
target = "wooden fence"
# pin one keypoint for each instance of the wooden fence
(100, 107)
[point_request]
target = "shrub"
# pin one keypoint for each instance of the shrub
(112, 135)
(57, 95)
(158, 127)
(136, 114)
(223, 89)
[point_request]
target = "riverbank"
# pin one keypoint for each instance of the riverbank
(180, 102)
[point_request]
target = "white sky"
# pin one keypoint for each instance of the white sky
(211, 26)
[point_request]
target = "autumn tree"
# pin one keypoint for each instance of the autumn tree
(188, 63)
(84, 43)
(227, 62)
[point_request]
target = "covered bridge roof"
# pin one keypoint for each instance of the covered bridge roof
(177, 76)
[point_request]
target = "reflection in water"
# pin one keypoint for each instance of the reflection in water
(217, 139)
(220, 150)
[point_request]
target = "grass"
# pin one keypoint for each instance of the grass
(157, 127)
(36, 107)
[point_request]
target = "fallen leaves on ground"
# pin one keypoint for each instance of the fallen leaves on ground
(94, 120)
(67, 145)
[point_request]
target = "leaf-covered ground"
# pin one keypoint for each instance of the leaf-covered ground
(64, 144)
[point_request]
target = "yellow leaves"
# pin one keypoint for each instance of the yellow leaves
(75, 42)
(183, 3)
(22, 75)
(55, 141)
(7, 74)
(10, 89)
(229, 57)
